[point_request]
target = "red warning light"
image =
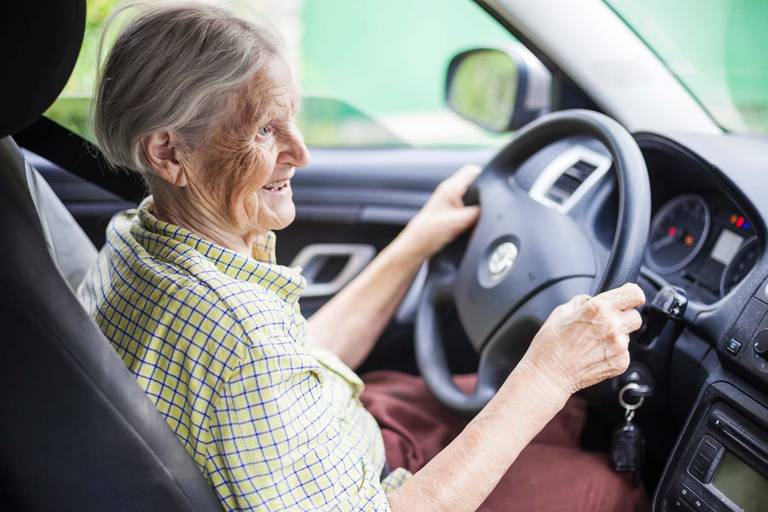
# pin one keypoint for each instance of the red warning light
(671, 232)
(740, 221)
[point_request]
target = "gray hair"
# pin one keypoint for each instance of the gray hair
(173, 67)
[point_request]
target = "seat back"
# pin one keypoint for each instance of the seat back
(68, 244)
(77, 432)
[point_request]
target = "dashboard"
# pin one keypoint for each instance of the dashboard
(705, 244)
(704, 234)
(707, 237)
(707, 423)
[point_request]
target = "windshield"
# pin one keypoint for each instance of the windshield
(716, 48)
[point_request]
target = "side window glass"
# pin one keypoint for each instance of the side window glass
(372, 73)
(72, 108)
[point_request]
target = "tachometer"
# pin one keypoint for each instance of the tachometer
(740, 265)
(678, 232)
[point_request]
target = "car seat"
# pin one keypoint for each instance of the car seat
(77, 431)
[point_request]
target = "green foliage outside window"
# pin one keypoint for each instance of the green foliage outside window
(371, 73)
(72, 108)
(716, 48)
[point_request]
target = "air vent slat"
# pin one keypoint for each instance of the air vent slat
(568, 177)
(569, 181)
(557, 195)
(581, 169)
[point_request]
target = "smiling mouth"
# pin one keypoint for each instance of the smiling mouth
(277, 186)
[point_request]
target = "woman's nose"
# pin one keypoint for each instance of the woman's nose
(295, 152)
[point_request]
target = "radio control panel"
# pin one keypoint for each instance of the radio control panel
(706, 459)
(721, 463)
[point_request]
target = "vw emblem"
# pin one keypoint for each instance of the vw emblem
(501, 260)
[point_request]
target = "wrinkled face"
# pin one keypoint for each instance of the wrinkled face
(249, 162)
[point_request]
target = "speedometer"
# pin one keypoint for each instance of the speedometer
(678, 232)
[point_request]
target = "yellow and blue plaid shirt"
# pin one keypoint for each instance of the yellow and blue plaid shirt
(217, 342)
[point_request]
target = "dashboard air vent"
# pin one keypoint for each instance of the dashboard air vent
(568, 182)
(568, 177)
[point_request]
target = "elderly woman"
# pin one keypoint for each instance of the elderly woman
(187, 289)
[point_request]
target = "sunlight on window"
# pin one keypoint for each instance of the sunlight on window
(718, 53)
(372, 73)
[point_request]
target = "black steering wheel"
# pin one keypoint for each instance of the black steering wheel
(515, 271)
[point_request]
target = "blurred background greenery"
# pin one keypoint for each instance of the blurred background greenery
(72, 108)
(372, 73)
(717, 48)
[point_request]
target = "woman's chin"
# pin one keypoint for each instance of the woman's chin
(278, 217)
(284, 221)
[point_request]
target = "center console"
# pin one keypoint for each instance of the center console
(721, 460)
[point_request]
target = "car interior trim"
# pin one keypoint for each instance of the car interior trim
(312, 258)
(560, 166)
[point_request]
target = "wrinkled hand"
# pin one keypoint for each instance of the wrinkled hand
(585, 340)
(444, 216)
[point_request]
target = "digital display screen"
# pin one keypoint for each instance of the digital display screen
(741, 484)
(726, 247)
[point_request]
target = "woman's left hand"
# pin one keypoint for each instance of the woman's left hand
(444, 216)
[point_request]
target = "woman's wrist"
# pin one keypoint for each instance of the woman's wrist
(552, 387)
(412, 246)
(531, 391)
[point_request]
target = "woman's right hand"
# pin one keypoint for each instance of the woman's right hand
(586, 340)
(582, 342)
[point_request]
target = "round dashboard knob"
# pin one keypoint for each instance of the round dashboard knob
(760, 343)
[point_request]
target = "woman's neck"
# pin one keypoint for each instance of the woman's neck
(202, 218)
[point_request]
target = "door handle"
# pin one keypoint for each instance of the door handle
(313, 258)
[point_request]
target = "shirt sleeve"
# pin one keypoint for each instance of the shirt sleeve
(275, 445)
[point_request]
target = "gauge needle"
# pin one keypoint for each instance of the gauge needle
(662, 242)
(673, 234)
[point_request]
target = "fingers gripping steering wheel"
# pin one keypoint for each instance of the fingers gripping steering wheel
(514, 272)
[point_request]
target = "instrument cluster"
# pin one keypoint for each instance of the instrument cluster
(703, 244)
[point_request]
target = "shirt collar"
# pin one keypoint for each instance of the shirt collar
(261, 268)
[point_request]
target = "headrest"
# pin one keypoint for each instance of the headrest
(39, 44)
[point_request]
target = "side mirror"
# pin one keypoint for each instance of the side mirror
(499, 89)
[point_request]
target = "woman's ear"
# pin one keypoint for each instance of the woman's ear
(162, 151)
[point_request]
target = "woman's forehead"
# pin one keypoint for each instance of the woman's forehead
(272, 87)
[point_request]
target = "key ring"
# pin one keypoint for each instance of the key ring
(629, 409)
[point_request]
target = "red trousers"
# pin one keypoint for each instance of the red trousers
(551, 474)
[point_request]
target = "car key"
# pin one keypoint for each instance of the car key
(627, 441)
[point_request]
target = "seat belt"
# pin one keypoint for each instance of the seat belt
(83, 159)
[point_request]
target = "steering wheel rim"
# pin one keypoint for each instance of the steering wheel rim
(492, 311)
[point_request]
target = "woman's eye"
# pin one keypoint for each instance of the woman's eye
(265, 130)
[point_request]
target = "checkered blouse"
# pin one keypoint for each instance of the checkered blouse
(217, 342)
